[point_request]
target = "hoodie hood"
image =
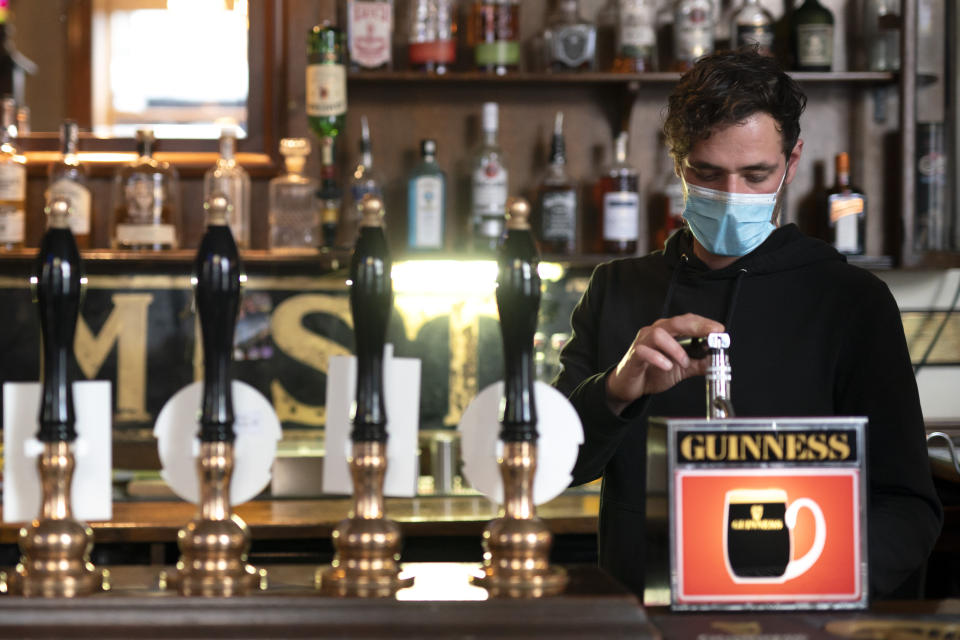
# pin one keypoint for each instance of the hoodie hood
(785, 249)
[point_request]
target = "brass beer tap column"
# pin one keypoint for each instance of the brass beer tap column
(55, 548)
(367, 544)
(516, 554)
(214, 545)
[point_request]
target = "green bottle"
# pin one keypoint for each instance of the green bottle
(326, 81)
(813, 36)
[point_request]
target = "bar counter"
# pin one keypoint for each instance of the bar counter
(159, 521)
(442, 603)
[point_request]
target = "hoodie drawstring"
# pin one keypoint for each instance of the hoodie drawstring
(672, 285)
(732, 304)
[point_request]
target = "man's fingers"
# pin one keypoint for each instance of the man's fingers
(643, 353)
(689, 324)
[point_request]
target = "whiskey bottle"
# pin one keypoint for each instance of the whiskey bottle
(330, 196)
(846, 211)
(146, 194)
(570, 41)
(294, 216)
(608, 20)
(881, 31)
(13, 182)
(326, 99)
(433, 36)
(489, 182)
(617, 199)
(493, 32)
(555, 222)
(813, 36)
(363, 180)
(693, 32)
(231, 180)
(426, 201)
(752, 25)
(67, 179)
(636, 41)
(370, 34)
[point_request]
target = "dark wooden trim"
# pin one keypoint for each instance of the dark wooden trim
(78, 77)
(908, 126)
(657, 77)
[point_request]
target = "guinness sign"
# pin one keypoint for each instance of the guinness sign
(762, 513)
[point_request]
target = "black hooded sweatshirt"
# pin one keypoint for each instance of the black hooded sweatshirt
(810, 336)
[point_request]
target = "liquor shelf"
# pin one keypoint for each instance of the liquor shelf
(653, 77)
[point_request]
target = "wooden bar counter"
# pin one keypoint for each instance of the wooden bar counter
(159, 521)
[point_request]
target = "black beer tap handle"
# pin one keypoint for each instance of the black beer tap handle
(58, 297)
(371, 299)
(518, 302)
(218, 272)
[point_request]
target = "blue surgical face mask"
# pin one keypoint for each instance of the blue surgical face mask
(730, 224)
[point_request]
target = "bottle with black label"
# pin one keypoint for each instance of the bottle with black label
(813, 37)
(555, 224)
(752, 26)
(617, 199)
(571, 41)
(846, 211)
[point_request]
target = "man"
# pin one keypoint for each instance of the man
(810, 334)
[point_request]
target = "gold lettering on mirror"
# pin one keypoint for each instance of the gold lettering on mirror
(126, 327)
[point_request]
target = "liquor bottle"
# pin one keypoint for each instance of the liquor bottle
(846, 211)
(617, 199)
(426, 201)
(146, 193)
(555, 224)
(494, 34)
(67, 179)
(692, 32)
(570, 41)
(722, 38)
(667, 204)
(664, 31)
(330, 196)
(608, 20)
(363, 180)
(433, 36)
(294, 216)
(326, 81)
(881, 34)
(14, 66)
(636, 42)
(231, 180)
(489, 182)
(370, 34)
(752, 25)
(813, 36)
(13, 182)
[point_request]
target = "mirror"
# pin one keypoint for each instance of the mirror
(184, 67)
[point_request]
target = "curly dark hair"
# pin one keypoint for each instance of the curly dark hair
(725, 88)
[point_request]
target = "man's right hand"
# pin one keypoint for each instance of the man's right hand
(656, 361)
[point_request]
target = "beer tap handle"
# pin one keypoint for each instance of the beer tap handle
(518, 303)
(371, 300)
(218, 274)
(58, 285)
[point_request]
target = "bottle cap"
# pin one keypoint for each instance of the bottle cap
(518, 214)
(620, 148)
(490, 116)
(428, 147)
(295, 147)
(843, 162)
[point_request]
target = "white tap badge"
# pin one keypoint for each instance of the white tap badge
(90, 495)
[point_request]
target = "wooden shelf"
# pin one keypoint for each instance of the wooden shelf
(593, 78)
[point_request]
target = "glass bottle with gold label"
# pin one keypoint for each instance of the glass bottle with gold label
(146, 194)
(13, 182)
(68, 180)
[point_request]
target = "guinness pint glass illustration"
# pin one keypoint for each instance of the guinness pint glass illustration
(759, 539)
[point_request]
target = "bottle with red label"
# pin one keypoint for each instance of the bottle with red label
(693, 32)
(370, 34)
(432, 36)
